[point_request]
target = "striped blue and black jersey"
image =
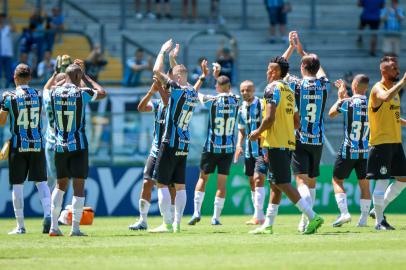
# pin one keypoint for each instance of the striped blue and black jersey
(356, 127)
(24, 106)
(50, 131)
(159, 109)
(223, 112)
(249, 119)
(182, 103)
(69, 110)
(310, 96)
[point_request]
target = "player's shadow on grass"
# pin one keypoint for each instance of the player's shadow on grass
(338, 233)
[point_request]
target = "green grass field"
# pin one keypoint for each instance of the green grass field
(112, 246)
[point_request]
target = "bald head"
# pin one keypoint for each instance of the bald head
(74, 73)
(247, 90)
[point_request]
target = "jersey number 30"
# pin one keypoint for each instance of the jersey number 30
(224, 127)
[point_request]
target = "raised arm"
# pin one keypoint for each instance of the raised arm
(159, 63)
(202, 78)
(172, 56)
(342, 93)
(402, 122)
(379, 95)
(292, 45)
(101, 93)
(51, 81)
(144, 105)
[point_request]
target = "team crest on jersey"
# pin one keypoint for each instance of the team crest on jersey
(383, 170)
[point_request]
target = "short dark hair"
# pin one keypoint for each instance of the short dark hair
(139, 50)
(311, 63)
(23, 71)
(389, 58)
(283, 65)
(223, 80)
(362, 78)
(3, 15)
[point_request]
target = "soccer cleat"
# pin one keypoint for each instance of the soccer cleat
(373, 215)
(46, 224)
(176, 228)
(17, 231)
(163, 228)
(77, 233)
(215, 222)
(138, 226)
(363, 221)
(55, 232)
(314, 224)
(384, 226)
(262, 230)
(255, 221)
(304, 221)
(342, 219)
(194, 220)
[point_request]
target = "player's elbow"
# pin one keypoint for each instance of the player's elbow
(101, 94)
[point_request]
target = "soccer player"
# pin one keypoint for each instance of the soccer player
(386, 158)
(249, 119)
(353, 153)
(278, 125)
(50, 131)
(158, 106)
(310, 95)
(68, 103)
(218, 150)
(23, 107)
(171, 161)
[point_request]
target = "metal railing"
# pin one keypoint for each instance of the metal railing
(5, 7)
(210, 32)
(125, 41)
(91, 17)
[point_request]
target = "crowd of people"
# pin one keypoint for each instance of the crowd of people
(163, 10)
(390, 14)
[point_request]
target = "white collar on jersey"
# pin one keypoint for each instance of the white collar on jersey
(23, 86)
(225, 94)
(309, 78)
(360, 96)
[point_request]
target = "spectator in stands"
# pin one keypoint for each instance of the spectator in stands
(277, 11)
(226, 58)
(139, 15)
(46, 67)
(163, 4)
(370, 16)
(392, 16)
(27, 40)
(55, 22)
(36, 23)
(185, 13)
(135, 66)
(6, 49)
(95, 62)
(215, 16)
